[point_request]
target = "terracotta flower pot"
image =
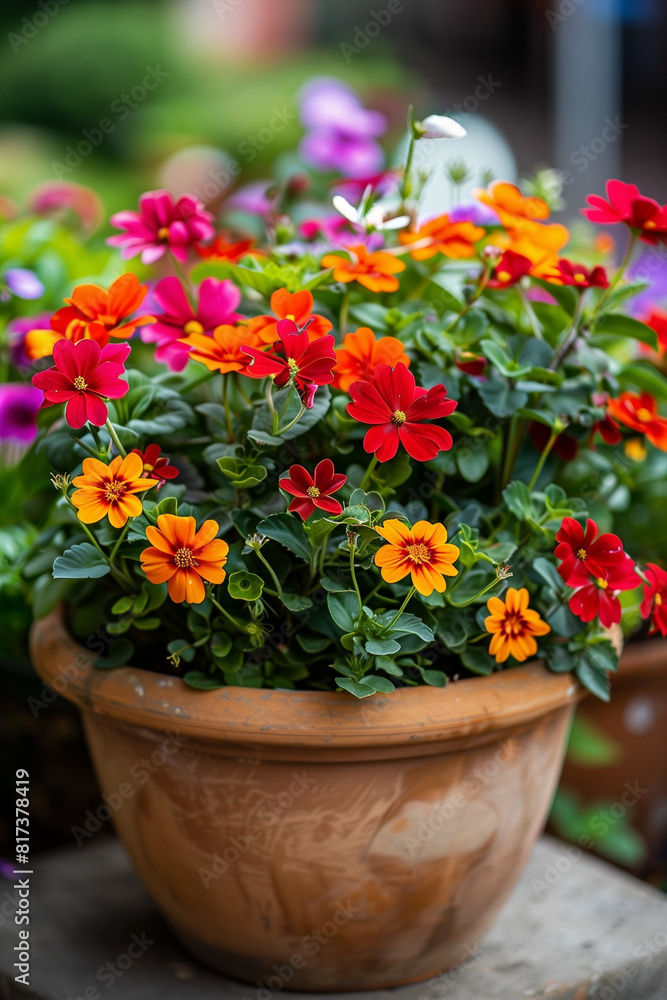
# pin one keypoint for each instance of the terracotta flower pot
(311, 841)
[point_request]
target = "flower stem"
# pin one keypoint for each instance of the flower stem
(269, 399)
(351, 540)
(119, 540)
(481, 285)
(114, 437)
(368, 473)
(530, 313)
(387, 628)
(239, 625)
(489, 586)
(543, 457)
(292, 422)
(225, 404)
(262, 558)
(344, 309)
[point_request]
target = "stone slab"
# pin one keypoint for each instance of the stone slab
(574, 928)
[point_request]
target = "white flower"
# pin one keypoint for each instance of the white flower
(440, 127)
(367, 215)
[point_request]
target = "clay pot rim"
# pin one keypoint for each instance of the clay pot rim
(265, 717)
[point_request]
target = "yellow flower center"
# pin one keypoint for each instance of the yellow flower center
(114, 490)
(419, 553)
(581, 553)
(313, 492)
(293, 366)
(398, 417)
(504, 276)
(163, 234)
(649, 224)
(80, 383)
(193, 327)
(602, 584)
(658, 600)
(643, 414)
(184, 558)
(579, 276)
(291, 316)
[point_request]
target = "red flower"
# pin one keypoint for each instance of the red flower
(657, 320)
(313, 491)
(83, 376)
(155, 465)
(470, 363)
(510, 268)
(643, 215)
(585, 553)
(598, 599)
(396, 408)
(298, 307)
(640, 413)
(654, 604)
(293, 360)
(567, 273)
(607, 427)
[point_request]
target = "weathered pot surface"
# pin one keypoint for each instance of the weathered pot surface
(310, 841)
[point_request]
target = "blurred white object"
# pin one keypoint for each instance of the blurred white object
(441, 127)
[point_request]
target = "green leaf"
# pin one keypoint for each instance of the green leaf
(477, 659)
(296, 602)
(344, 609)
(80, 562)
(408, 624)
(221, 645)
(245, 276)
(245, 586)
(500, 398)
(434, 678)
(518, 500)
(313, 643)
(644, 376)
(625, 326)
(147, 624)
(182, 648)
(241, 474)
(355, 688)
(287, 529)
(119, 654)
(377, 683)
(472, 463)
(591, 746)
(382, 647)
(200, 681)
(122, 605)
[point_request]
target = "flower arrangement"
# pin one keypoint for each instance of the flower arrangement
(327, 460)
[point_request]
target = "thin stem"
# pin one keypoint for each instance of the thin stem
(530, 313)
(387, 628)
(291, 424)
(240, 626)
(225, 404)
(543, 457)
(119, 540)
(368, 473)
(481, 285)
(114, 437)
(188, 386)
(352, 543)
(269, 398)
(489, 586)
(239, 386)
(571, 337)
(344, 309)
(262, 558)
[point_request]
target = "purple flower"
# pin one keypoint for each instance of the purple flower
(216, 302)
(160, 225)
(23, 283)
(17, 330)
(651, 266)
(341, 132)
(253, 198)
(19, 405)
(473, 211)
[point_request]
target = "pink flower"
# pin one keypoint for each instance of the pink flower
(215, 305)
(83, 376)
(160, 225)
(63, 199)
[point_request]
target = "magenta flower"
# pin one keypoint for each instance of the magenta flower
(160, 225)
(341, 132)
(215, 305)
(83, 377)
(19, 405)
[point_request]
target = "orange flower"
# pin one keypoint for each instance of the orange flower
(453, 239)
(511, 206)
(357, 360)
(513, 626)
(422, 551)
(640, 413)
(222, 351)
(110, 489)
(183, 557)
(298, 307)
(223, 249)
(92, 314)
(539, 243)
(374, 271)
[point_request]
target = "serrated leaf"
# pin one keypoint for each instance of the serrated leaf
(80, 562)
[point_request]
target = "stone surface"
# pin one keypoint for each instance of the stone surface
(574, 928)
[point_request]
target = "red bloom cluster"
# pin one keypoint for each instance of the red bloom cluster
(597, 568)
(396, 408)
(155, 465)
(625, 204)
(510, 269)
(293, 360)
(654, 604)
(568, 273)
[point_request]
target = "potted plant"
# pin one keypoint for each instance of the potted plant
(324, 612)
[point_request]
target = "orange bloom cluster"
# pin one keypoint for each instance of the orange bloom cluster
(92, 313)
(526, 231)
(110, 489)
(360, 355)
(298, 307)
(513, 626)
(374, 271)
(421, 551)
(183, 557)
(452, 239)
(222, 350)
